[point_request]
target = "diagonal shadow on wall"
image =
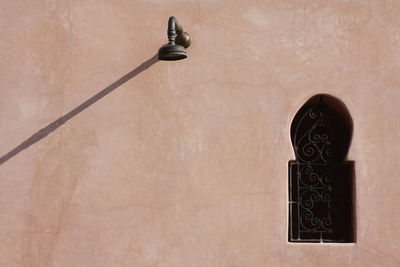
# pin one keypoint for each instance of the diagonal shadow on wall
(42, 133)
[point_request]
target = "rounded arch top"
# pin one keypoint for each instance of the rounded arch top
(321, 130)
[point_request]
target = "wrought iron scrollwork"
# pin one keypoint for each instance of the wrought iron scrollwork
(320, 181)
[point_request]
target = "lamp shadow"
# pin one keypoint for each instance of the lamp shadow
(42, 133)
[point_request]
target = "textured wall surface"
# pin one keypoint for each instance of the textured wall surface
(185, 164)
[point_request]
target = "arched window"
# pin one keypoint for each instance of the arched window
(320, 180)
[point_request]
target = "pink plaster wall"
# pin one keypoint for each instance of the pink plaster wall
(186, 163)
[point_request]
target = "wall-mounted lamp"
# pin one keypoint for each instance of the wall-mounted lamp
(178, 40)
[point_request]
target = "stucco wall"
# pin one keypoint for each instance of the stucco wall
(185, 164)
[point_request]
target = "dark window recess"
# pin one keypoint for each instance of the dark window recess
(320, 180)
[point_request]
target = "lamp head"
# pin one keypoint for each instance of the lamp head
(172, 52)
